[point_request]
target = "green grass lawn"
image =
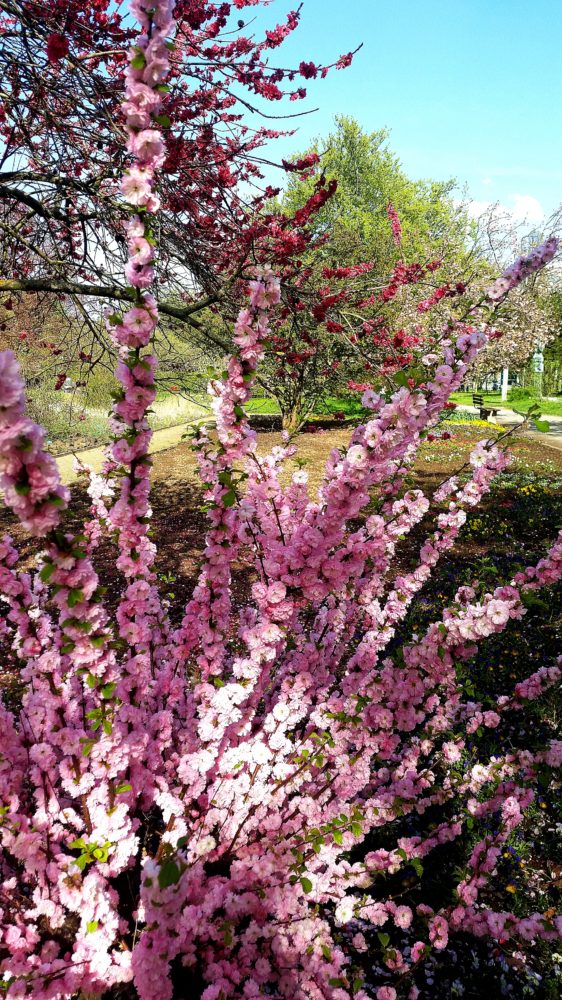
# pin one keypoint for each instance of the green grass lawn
(331, 404)
(262, 404)
(351, 407)
(326, 407)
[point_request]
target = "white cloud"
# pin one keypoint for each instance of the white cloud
(528, 208)
(523, 208)
(477, 208)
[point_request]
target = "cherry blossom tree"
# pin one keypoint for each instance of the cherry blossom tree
(529, 318)
(186, 809)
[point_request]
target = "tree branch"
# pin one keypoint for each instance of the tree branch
(59, 286)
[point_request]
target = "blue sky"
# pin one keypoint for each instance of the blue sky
(470, 89)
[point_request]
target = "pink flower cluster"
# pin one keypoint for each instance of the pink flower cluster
(523, 268)
(29, 477)
(182, 800)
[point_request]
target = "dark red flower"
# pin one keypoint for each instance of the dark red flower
(309, 70)
(57, 48)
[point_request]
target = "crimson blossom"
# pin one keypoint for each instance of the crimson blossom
(186, 810)
(61, 218)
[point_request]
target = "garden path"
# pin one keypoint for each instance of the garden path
(552, 438)
(162, 440)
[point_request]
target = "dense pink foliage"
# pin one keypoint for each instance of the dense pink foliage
(184, 799)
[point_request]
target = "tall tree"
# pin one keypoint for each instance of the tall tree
(379, 234)
(370, 177)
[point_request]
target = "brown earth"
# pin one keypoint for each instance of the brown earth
(179, 524)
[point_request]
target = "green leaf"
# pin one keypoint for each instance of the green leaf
(91, 927)
(542, 425)
(138, 61)
(162, 120)
(229, 499)
(384, 939)
(55, 500)
(75, 596)
(121, 789)
(530, 600)
(306, 884)
(169, 874)
(46, 572)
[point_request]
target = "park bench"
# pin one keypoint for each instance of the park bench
(486, 409)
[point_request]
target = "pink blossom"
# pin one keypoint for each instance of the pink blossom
(233, 760)
(136, 186)
(148, 147)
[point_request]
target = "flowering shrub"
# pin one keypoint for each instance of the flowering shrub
(179, 804)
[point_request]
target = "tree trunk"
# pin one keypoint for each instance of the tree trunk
(291, 420)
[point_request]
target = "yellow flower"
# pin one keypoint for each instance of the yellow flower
(511, 887)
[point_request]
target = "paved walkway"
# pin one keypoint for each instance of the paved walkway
(508, 418)
(162, 440)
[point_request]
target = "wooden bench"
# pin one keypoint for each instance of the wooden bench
(486, 409)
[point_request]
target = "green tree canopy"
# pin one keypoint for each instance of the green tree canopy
(369, 176)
